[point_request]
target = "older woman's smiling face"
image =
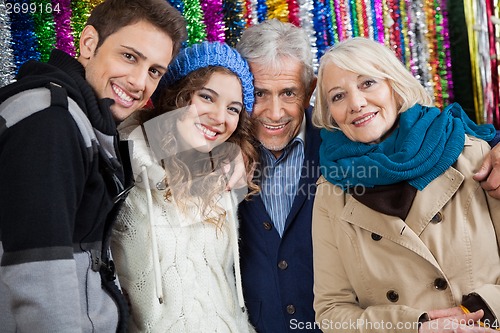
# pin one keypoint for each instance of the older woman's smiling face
(364, 108)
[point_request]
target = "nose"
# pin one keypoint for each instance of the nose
(275, 109)
(138, 78)
(356, 101)
(218, 115)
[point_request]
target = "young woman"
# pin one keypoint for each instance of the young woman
(404, 239)
(176, 244)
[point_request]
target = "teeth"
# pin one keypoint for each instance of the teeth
(273, 127)
(364, 119)
(122, 94)
(206, 130)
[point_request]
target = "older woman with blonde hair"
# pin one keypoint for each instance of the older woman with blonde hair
(404, 239)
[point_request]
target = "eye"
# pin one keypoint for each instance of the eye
(368, 83)
(337, 97)
(289, 93)
(259, 94)
(234, 109)
(129, 56)
(155, 73)
(205, 97)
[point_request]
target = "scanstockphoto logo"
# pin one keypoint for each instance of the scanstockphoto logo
(358, 175)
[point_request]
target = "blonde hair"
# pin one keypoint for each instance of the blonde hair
(367, 57)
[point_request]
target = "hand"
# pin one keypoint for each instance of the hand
(239, 177)
(453, 320)
(489, 173)
(444, 313)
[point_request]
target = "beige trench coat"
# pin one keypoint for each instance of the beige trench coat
(378, 273)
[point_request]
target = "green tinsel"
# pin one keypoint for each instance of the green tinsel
(44, 27)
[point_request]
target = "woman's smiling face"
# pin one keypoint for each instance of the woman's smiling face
(364, 108)
(213, 114)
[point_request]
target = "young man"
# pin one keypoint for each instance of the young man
(275, 227)
(61, 173)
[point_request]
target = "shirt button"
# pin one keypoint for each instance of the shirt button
(290, 309)
(376, 237)
(282, 264)
(437, 218)
(268, 226)
(392, 296)
(440, 284)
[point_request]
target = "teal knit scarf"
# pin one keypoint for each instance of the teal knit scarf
(422, 147)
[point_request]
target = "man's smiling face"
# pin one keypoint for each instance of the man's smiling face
(127, 66)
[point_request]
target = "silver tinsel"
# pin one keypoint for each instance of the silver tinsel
(417, 31)
(6, 56)
(306, 23)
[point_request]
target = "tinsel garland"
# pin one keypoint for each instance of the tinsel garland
(378, 18)
(333, 18)
(416, 30)
(250, 12)
(62, 24)
(430, 14)
(362, 14)
(319, 24)
(293, 12)
(44, 28)
(394, 28)
(481, 29)
(277, 9)
(213, 17)
(448, 97)
(234, 21)
(354, 18)
(306, 22)
(339, 20)
(6, 56)
(195, 22)
(403, 25)
(23, 35)
(442, 71)
(261, 10)
(369, 19)
(474, 59)
(492, 29)
(420, 53)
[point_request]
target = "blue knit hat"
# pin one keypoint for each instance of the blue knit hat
(211, 54)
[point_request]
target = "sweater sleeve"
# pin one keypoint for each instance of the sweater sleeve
(42, 174)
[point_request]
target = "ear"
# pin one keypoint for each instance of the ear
(89, 39)
(310, 91)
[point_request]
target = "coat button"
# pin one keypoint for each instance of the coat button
(282, 264)
(290, 309)
(440, 284)
(437, 218)
(268, 226)
(376, 237)
(392, 296)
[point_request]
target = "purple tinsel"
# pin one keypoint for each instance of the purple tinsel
(214, 19)
(64, 33)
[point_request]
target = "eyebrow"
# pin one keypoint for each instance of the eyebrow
(215, 93)
(142, 56)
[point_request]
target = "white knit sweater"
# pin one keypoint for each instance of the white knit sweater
(196, 261)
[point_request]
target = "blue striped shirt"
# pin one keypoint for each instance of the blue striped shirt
(280, 178)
